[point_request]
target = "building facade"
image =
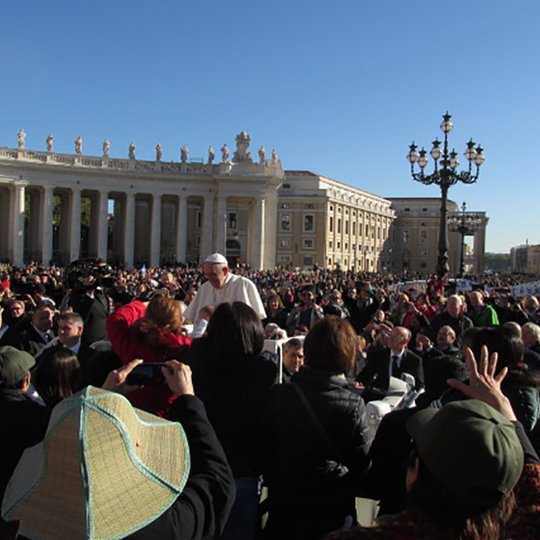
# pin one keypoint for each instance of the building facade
(323, 222)
(61, 207)
(525, 259)
(414, 237)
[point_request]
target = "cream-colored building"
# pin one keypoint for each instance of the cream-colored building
(62, 207)
(526, 259)
(414, 236)
(325, 222)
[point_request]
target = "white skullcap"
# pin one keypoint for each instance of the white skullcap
(216, 258)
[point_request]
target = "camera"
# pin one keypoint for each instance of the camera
(148, 374)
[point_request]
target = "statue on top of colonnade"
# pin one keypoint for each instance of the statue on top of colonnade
(21, 138)
(242, 145)
(262, 156)
(49, 141)
(78, 145)
(159, 152)
(106, 147)
(184, 152)
(211, 155)
(131, 150)
(225, 153)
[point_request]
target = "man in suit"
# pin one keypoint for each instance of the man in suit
(70, 334)
(391, 361)
(37, 335)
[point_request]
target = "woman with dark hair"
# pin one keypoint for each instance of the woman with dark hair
(57, 376)
(153, 332)
(315, 439)
(233, 379)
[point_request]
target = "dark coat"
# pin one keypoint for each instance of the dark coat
(234, 400)
(389, 459)
(460, 324)
(311, 488)
(375, 374)
(23, 423)
(31, 341)
(94, 312)
(202, 509)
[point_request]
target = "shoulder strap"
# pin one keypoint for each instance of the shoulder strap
(317, 423)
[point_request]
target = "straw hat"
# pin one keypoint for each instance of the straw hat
(103, 471)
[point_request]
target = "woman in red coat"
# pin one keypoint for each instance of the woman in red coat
(151, 331)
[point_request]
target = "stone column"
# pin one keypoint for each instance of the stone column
(270, 229)
(17, 225)
(102, 224)
(181, 229)
(155, 231)
(129, 230)
(75, 224)
(257, 241)
(220, 232)
(208, 220)
(46, 224)
(479, 247)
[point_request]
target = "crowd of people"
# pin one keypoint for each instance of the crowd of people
(459, 460)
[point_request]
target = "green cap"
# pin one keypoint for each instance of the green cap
(14, 365)
(471, 448)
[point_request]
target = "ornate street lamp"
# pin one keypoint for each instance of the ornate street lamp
(445, 174)
(465, 223)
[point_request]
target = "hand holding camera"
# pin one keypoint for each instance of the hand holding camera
(178, 378)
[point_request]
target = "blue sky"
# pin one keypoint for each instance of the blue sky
(338, 88)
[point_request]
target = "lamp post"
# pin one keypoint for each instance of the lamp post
(464, 223)
(444, 175)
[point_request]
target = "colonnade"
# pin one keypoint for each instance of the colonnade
(43, 223)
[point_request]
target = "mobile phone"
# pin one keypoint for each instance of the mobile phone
(148, 374)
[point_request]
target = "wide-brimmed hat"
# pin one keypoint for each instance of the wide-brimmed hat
(14, 365)
(103, 471)
(471, 448)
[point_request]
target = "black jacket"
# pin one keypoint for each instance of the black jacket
(94, 312)
(460, 324)
(23, 423)
(375, 374)
(234, 399)
(312, 486)
(202, 509)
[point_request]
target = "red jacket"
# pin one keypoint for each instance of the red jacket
(132, 338)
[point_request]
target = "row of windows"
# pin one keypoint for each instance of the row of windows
(366, 229)
(307, 243)
(287, 259)
(361, 249)
(407, 237)
(308, 222)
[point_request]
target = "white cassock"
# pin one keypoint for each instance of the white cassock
(235, 289)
